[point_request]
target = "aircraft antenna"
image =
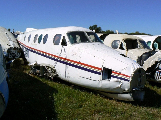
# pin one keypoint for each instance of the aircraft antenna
(117, 31)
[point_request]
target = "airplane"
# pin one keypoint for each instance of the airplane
(9, 44)
(136, 49)
(154, 42)
(4, 90)
(77, 55)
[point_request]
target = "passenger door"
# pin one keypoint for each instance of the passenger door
(60, 55)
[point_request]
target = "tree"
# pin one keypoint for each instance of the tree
(138, 33)
(105, 33)
(96, 28)
(109, 32)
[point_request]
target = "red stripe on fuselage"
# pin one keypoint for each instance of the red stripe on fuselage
(62, 57)
(120, 74)
(72, 60)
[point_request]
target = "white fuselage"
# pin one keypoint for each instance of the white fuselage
(137, 49)
(89, 64)
(154, 42)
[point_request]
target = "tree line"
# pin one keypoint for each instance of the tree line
(107, 32)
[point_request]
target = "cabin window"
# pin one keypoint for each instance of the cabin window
(29, 38)
(56, 39)
(115, 44)
(45, 38)
(35, 38)
(24, 38)
(39, 39)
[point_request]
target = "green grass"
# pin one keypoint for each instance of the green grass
(36, 98)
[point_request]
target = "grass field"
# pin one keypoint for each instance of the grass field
(35, 98)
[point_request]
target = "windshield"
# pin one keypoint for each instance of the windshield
(133, 44)
(143, 44)
(157, 42)
(93, 37)
(82, 37)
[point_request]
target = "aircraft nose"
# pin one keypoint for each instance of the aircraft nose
(138, 79)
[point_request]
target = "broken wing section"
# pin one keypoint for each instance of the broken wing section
(151, 62)
(9, 44)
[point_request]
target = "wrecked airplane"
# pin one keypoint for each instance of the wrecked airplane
(9, 44)
(77, 55)
(4, 90)
(137, 49)
(154, 42)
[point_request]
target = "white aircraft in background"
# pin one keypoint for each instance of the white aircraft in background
(136, 49)
(9, 44)
(154, 42)
(77, 55)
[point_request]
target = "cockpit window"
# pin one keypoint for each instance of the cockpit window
(77, 37)
(149, 43)
(82, 37)
(157, 41)
(131, 44)
(93, 37)
(143, 44)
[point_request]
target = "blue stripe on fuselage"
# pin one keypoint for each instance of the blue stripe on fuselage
(63, 62)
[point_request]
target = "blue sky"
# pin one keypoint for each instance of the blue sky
(122, 15)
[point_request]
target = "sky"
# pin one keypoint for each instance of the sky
(122, 15)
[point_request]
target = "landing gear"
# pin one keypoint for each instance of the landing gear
(43, 71)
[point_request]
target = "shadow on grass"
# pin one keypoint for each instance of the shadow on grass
(154, 84)
(151, 99)
(29, 98)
